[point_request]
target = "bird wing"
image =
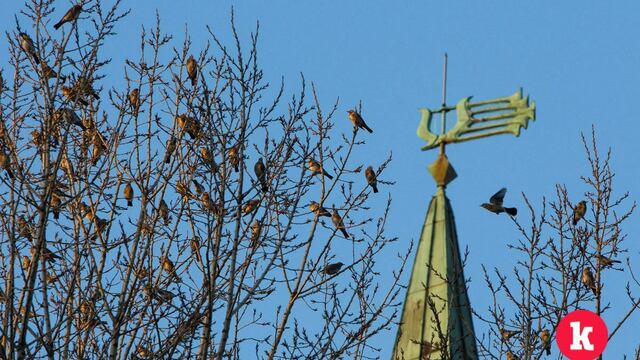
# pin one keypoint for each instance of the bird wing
(498, 197)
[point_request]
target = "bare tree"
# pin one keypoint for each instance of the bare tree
(193, 213)
(566, 252)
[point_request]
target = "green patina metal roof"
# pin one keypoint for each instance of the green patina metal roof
(436, 319)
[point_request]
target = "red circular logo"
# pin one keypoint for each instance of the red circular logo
(582, 335)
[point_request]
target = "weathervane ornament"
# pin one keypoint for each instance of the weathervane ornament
(505, 115)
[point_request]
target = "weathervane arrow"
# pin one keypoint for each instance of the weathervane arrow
(505, 115)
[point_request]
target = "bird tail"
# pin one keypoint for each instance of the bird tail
(10, 173)
(167, 158)
(129, 203)
(235, 168)
(548, 349)
(511, 211)
(265, 188)
(375, 188)
(367, 128)
(327, 175)
(56, 215)
(58, 24)
(193, 81)
(35, 58)
(345, 233)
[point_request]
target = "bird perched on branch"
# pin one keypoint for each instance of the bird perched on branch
(195, 249)
(169, 267)
(508, 334)
(250, 206)
(171, 147)
(256, 232)
(339, 223)
(188, 124)
(372, 180)
(134, 101)
(318, 210)
(495, 204)
(261, 173)
(316, 169)
(24, 228)
(70, 16)
(27, 46)
(99, 147)
(163, 211)
(183, 189)
(578, 211)
(5, 163)
(234, 158)
(69, 116)
(606, 262)
(192, 70)
(588, 280)
(545, 338)
(55, 204)
(128, 194)
(48, 73)
(332, 269)
(358, 121)
(207, 158)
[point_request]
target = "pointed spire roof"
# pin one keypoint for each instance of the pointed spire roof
(436, 320)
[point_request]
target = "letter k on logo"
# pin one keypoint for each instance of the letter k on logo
(582, 335)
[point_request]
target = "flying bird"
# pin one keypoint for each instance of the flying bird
(316, 168)
(339, 223)
(261, 174)
(192, 70)
(495, 204)
(358, 121)
(372, 180)
(579, 211)
(70, 16)
(588, 281)
(27, 46)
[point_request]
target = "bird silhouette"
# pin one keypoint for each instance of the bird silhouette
(495, 204)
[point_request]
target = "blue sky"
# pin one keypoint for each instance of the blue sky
(579, 62)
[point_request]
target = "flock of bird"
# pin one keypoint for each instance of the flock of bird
(82, 89)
